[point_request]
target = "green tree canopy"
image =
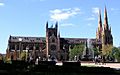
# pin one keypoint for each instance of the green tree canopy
(116, 53)
(76, 50)
(107, 49)
(96, 51)
(23, 55)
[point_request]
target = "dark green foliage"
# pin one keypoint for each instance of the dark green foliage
(23, 55)
(76, 50)
(96, 51)
(115, 53)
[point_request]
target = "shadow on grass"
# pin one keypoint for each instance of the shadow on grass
(49, 68)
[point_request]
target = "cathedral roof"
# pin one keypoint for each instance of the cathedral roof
(26, 39)
(42, 39)
(79, 40)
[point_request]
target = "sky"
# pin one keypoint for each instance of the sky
(76, 18)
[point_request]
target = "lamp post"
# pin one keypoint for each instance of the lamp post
(20, 39)
(40, 55)
(27, 53)
(48, 57)
(64, 48)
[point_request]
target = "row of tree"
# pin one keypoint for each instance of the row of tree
(109, 51)
(76, 50)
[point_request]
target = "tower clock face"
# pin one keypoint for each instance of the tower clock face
(53, 47)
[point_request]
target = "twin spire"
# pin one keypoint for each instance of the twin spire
(56, 25)
(106, 27)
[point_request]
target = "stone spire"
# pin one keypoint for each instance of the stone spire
(46, 24)
(100, 29)
(110, 29)
(59, 34)
(99, 21)
(56, 25)
(105, 19)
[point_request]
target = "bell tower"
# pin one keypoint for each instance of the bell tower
(52, 42)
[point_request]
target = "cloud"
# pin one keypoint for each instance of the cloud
(89, 24)
(95, 10)
(114, 9)
(67, 24)
(2, 4)
(63, 14)
(91, 18)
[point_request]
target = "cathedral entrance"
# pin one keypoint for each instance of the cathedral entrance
(53, 58)
(53, 52)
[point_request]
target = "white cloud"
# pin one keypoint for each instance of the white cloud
(63, 14)
(89, 24)
(91, 18)
(2, 4)
(56, 11)
(95, 10)
(67, 24)
(114, 9)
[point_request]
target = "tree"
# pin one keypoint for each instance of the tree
(23, 55)
(111, 52)
(116, 53)
(96, 51)
(76, 50)
(107, 49)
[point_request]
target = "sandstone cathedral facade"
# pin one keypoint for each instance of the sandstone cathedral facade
(103, 34)
(53, 46)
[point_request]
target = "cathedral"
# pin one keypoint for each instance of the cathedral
(103, 34)
(52, 46)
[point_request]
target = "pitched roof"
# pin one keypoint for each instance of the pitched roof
(42, 39)
(26, 39)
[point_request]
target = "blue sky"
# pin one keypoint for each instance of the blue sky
(77, 18)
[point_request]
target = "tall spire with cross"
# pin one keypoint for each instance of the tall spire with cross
(105, 19)
(100, 29)
(99, 21)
